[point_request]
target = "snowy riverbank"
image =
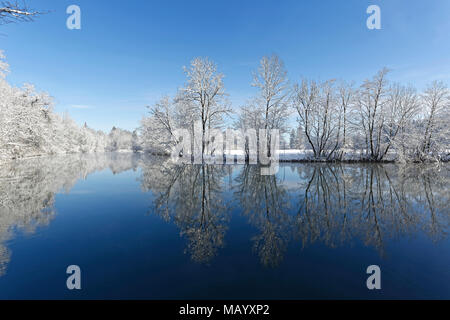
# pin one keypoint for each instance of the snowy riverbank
(238, 155)
(308, 156)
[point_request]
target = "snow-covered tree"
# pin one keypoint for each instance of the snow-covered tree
(372, 106)
(30, 127)
(435, 138)
(320, 116)
(202, 100)
(13, 11)
(346, 96)
(120, 140)
(403, 107)
(158, 130)
(204, 94)
(273, 97)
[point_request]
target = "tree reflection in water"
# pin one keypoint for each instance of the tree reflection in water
(371, 202)
(329, 203)
(265, 202)
(191, 197)
(332, 204)
(28, 189)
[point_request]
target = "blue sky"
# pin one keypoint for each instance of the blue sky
(130, 53)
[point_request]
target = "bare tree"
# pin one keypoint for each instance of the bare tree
(11, 12)
(271, 80)
(385, 118)
(304, 100)
(202, 100)
(320, 116)
(403, 106)
(436, 103)
(250, 117)
(205, 93)
(158, 130)
(346, 97)
(371, 106)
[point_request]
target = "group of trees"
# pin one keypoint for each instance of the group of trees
(334, 118)
(201, 102)
(123, 140)
(30, 127)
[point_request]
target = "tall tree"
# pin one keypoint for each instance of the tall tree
(436, 101)
(204, 92)
(371, 106)
(346, 96)
(320, 116)
(271, 80)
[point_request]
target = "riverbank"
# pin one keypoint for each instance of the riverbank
(305, 156)
(285, 156)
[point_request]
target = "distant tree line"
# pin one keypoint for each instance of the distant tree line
(328, 119)
(30, 127)
(334, 118)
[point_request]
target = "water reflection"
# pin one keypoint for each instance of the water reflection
(371, 202)
(28, 189)
(265, 202)
(191, 197)
(332, 204)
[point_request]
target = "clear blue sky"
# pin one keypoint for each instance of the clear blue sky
(130, 53)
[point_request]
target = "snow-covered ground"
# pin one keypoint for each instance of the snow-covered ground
(308, 155)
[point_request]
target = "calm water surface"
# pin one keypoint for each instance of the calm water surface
(141, 227)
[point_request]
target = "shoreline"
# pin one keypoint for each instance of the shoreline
(235, 161)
